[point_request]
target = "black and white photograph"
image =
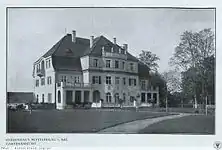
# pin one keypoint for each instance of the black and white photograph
(116, 70)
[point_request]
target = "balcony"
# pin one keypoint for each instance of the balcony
(114, 55)
(73, 85)
(40, 72)
(149, 88)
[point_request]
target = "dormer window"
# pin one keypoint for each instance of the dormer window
(116, 64)
(95, 62)
(68, 51)
(131, 66)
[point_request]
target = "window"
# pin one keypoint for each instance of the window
(131, 66)
(108, 80)
(77, 79)
(116, 97)
(49, 80)
(95, 62)
(49, 63)
(108, 98)
(42, 81)
(96, 79)
(124, 97)
(108, 63)
(116, 64)
(134, 82)
(63, 78)
(46, 64)
(37, 83)
(37, 98)
(49, 97)
(43, 100)
(124, 81)
(117, 80)
(123, 65)
(143, 84)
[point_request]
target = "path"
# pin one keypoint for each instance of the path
(136, 126)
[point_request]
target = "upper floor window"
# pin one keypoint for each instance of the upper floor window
(124, 81)
(48, 63)
(117, 80)
(108, 80)
(96, 79)
(132, 82)
(37, 83)
(63, 78)
(77, 80)
(38, 67)
(116, 64)
(131, 66)
(49, 80)
(42, 81)
(95, 62)
(123, 65)
(143, 84)
(108, 64)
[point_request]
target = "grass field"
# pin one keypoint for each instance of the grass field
(194, 124)
(70, 121)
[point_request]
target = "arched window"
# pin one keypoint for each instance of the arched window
(37, 98)
(59, 97)
(116, 97)
(43, 98)
(124, 97)
(108, 98)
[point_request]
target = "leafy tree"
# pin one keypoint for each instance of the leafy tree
(157, 80)
(149, 59)
(195, 50)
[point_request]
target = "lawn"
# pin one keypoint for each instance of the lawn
(71, 121)
(195, 124)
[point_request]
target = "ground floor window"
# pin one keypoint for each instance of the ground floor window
(108, 98)
(37, 98)
(116, 97)
(49, 97)
(143, 97)
(124, 97)
(43, 100)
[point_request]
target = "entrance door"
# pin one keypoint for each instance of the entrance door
(68, 97)
(78, 97)
(143, 97)
(96, 96)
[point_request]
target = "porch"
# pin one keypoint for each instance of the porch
(68, 94)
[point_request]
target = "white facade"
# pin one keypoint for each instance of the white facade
(109, 78)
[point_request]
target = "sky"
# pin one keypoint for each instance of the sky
(33, 31)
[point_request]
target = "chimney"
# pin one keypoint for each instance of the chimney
(114, 40)
(125, 47)
(73, 36)
(91, 41)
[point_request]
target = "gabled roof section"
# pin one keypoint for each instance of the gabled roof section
(100, 42)
(65, 44)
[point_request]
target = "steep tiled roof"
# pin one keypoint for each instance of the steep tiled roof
(66, 54)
